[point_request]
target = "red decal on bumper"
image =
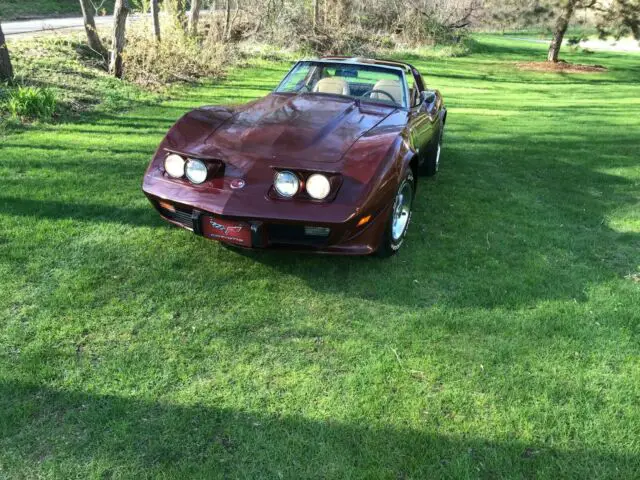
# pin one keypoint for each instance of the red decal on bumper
(229, 231)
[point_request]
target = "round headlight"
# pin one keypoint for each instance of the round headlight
(286, 184)
(318, 186)
(174, 165)
(196, 171)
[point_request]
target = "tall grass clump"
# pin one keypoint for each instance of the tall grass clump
(31, 103)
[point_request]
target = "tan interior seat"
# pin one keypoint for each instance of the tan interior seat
(392, 87)
(332, 85)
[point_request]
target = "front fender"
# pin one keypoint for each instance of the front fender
(378, 163)
(190, 131)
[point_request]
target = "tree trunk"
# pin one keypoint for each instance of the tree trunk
(316, 13)
(155, 11)
(194, 15)
(6, 69)
(560, 29)
(121, 10)
(90, 27)
(227, 21)
(326, 12)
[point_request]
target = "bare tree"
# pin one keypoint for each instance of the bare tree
(194, 15)
(97, 7)
(92, 34)
(121, 11)
(456, 14)
(155, 15)
(227, 20)
(6, 69)
(316, 13)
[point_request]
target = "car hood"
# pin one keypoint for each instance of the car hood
(284, 129)
(360, 141)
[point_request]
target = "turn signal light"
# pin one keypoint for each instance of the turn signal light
(167, 206)
(364, 220)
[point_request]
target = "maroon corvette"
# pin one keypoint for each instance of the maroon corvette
(327, 162)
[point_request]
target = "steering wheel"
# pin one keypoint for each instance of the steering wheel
(372, 91)
(306, 87)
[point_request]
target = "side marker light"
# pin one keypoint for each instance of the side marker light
(364, 220)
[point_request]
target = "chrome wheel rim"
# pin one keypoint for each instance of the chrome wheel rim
(402, 211)
(438, 157)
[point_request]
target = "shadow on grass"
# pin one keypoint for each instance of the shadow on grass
(490, 232)
(86, 212)
(64, 433)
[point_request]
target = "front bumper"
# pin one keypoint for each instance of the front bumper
(344, 238)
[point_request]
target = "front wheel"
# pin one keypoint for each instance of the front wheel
(432, 162)
(400, 217)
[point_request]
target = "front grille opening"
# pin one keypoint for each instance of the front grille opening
(177, 214)
(303, 235)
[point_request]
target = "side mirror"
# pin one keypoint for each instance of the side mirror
(427, 97)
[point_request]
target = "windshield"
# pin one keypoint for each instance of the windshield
(367, 82)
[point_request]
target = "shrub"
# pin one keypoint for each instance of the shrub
(31, 103)
(4, 92)
(178, 57)
(358, 27)
(274, 32)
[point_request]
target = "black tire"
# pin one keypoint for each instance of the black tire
(390, 244)
(430, 166)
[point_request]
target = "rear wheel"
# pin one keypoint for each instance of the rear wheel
(400, 217)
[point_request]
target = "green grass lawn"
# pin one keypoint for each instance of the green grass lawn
(502, 342)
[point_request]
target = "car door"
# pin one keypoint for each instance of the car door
(423, 124)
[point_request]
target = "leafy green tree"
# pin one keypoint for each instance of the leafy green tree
(620, 19)
(612, 17)
(618, 16)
